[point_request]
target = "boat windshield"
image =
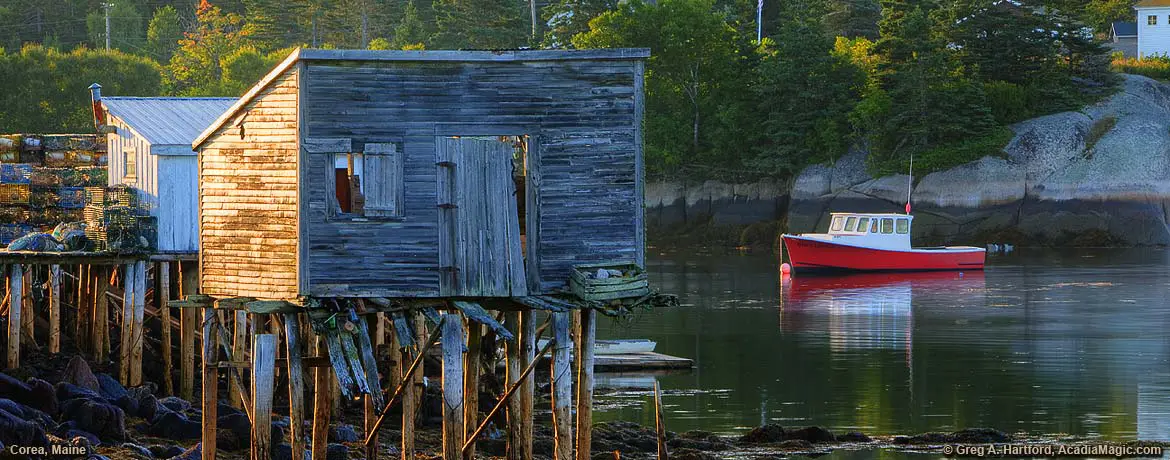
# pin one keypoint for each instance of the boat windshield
(850, 222)
(887, 225)
(903, 226)
(838, 221)
(862, 224)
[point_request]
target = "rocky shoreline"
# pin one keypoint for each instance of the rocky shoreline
(92, 411)
(1099, 176)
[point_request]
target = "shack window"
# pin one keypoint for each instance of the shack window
(129, 164)
(862, 224)
(370, 183)
(837, 223)
(887, 225)
(903, 226)
(850, 223)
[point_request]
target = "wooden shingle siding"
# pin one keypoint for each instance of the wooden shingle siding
(248, 199)
(582, 111)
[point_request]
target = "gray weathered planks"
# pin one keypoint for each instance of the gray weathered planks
(263, 378)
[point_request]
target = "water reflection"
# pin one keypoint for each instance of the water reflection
(1042, 342)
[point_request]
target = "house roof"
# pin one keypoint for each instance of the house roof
(1152, 4)
(167, 120)
(306, 54)
(1125, 29)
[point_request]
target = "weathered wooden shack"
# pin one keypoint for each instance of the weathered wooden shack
(370, 190)
(150, 150)
(355, 173)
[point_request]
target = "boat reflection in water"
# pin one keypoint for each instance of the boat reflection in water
(870, 310)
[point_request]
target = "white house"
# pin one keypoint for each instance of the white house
(1153, 21)
(150, 150)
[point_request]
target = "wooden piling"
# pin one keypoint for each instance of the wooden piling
(263, 380)
(322, 397)
(139, 316)
(15, 305)
(210, 384)
(296, 385)
(29, 318)
(163, 294)
(55, 309)
(188, 318)
(239, 347)
(562, 388)
(127, 322)
(660, 424)
(528, 388)
(587, 339)
(413, 389)
(471, 385)
(512, 357)
(452, 385)
(101, 318)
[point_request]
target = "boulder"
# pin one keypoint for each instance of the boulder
(176, 426)
(691, 454)
(854, 436)
(765, 434)
(336, 452)
(161, 451)
(342, 432)
(15, 390)
(67, 391)
(137, 450)
(105, 420)
(175, 403)
(77, 372)
(15, 431)
(812, 434)
(25, 412)
(699, 440)
(233, 431)
(76, 435)
(109, 387)
(44, 396)
(980, 436)
(194, 453)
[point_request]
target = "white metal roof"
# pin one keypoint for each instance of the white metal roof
(168, 120)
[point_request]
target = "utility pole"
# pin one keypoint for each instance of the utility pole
(759, 21)
(532, 8)
(365, 29)
(107, 7)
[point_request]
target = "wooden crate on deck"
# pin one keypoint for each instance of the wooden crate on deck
(584, 283)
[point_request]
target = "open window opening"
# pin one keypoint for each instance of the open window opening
(519, 179)
(368, 183)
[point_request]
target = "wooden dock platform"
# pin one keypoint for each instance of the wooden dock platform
(639, 362)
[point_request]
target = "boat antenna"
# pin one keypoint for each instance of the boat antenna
(910, 184)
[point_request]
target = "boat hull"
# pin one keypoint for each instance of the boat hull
(816, 255)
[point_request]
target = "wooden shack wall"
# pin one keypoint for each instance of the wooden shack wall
(248, 198)
(168, 183)
(583, 113)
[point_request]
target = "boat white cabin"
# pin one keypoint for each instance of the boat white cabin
(878, 231)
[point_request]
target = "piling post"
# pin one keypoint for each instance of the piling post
(263, 379)
(471, 385)
(127, 323)
(188, 318)
(296, 385)
(163, 294)
(322, 397)
(239, 341)
(78, 291)
(55, 309)
(139, 314)
(452, 385)
(101, 315)
(528, 388)
(210, 384)
(15, 304)
(660, 424)
(512, 356)
(587, 339)
(562, 388)
(413, 390)
(28, 319)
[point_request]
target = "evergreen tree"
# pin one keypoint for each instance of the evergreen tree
(566, 18)
(805, 94)
(163, 33)
(274, 23)
(1010, 42)
(853, 18)
(480, 24)
(411, 31)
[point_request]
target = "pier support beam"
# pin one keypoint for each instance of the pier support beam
(139, 314)
(512, 356)
(15, 305)
(163, 294)
(586, 339)
(55, 309)
(210, 384)
(471, 385)
(263, 380)
(188, 320)
(239, 349)
(101, 318)
(452, 342)
(296, 385)
(527, 390)
(322, 397)
(562, 388)
(126, 338)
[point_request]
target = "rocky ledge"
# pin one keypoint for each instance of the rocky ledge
(1096, 176)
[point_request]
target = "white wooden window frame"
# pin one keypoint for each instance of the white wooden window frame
(129, 164)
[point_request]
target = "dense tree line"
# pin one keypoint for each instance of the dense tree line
(937, 80)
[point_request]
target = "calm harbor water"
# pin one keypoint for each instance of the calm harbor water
(1045, 342)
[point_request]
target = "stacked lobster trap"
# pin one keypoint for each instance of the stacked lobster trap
(54, 179)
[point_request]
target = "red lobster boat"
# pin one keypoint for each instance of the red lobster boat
(874, 242)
